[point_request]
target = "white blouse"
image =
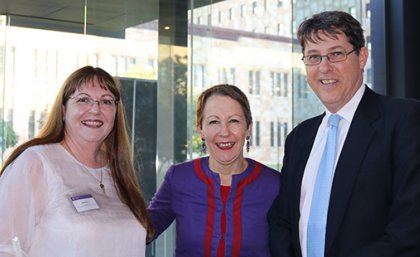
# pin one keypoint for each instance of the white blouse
(36, 208)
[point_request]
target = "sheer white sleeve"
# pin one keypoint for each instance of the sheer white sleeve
(23, 197)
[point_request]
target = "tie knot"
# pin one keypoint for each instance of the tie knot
(334, 120)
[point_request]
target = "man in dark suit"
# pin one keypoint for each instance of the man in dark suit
(373, 204)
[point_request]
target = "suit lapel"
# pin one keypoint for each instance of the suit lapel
(305, 137)
(355, 146)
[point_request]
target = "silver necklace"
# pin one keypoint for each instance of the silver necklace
(101, 185)
(100, 182)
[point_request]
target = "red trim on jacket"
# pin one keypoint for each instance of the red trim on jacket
(211, 203)
(237, 224)
(224, 192)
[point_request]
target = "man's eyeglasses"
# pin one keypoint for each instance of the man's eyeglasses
(337, 56)
(104, 103)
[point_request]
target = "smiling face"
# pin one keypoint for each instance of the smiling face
(88, 123)
(224, 128)
(335, 83)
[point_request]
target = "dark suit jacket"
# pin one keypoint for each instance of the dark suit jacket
(374, 208)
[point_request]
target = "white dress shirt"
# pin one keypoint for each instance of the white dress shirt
(311, 168)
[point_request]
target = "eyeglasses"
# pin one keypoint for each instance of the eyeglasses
(315, 59)
(87, 102)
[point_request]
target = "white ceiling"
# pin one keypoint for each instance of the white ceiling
(106, 16)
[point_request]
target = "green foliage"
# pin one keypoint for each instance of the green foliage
(196, 138)
(196, 142)
(9, 134)
(42, 118)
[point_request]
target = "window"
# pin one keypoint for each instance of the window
(250, 81)
(227, 52)
(369, 76)
(271, 83)
(226, 75)
(285, 84)
(302, 87)
(278, 84)
(10, 117)
(352, 11)
(199, 76)
(279, 137)
(42, 117)
(257, 83)
(257, 133)
(131, 61)
(31, 124)
(222, 76)
(271, 134)
(285, 130)
(254, 82)
(232, 77)
(152, 64)
(367, 10)
(282, 131)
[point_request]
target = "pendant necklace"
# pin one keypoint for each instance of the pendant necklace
(101, 185)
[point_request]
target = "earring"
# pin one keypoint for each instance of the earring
(203, 146)
(247, 144)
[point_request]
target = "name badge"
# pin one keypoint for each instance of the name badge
(84, 203)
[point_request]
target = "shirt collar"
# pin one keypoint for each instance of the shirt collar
(348, 110)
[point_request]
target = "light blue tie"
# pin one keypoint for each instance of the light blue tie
(317, 222)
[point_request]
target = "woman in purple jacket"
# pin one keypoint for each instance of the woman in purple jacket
(219, 202)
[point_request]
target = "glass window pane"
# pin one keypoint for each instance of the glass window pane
(252, 45)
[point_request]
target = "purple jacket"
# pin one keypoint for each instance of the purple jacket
(190, 194)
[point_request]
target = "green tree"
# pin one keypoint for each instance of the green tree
(196, 143)
(9, 135)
